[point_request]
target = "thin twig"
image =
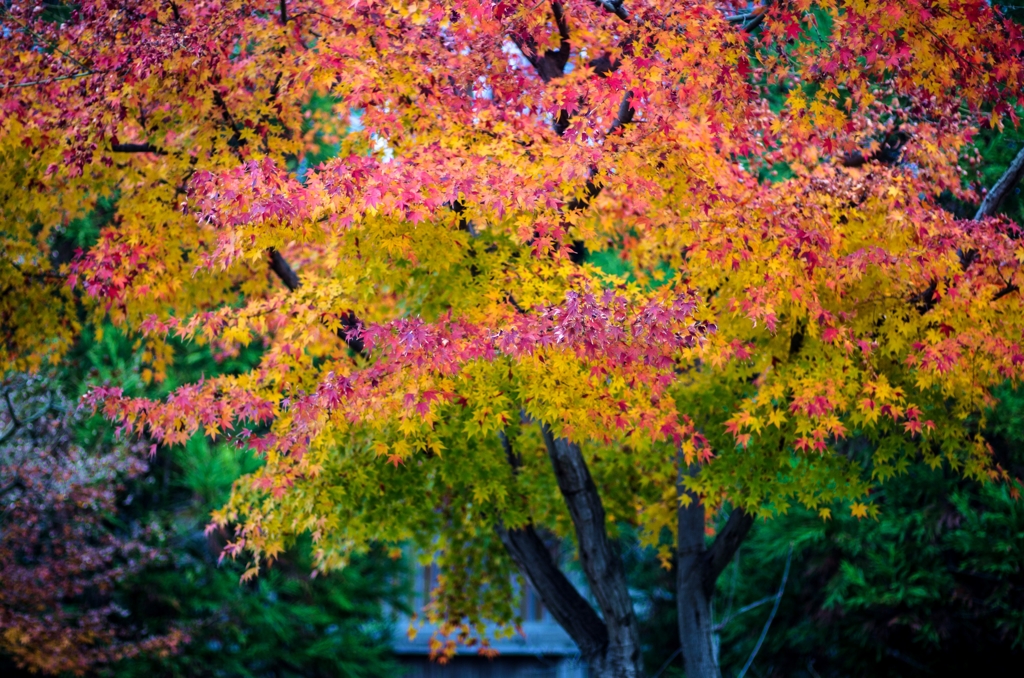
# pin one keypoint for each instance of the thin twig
(746, 608)
(18, 85)
(667, 663)
(771, 617)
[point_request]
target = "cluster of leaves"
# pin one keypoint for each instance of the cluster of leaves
(288, 623)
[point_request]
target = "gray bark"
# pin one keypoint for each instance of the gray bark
(697, 569)
(610, 645)
(1006, 183)
(572, 612)
(602, 566)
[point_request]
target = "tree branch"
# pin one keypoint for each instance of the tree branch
(283, 270)
(1009, 289)
(1006, 183)
(34, 83)
(926, 299)
(615, 7)
(10, 410)
(564, 49)
(771, 617)
(349, 322)
(601, 564)
(625, 115)
(552, 63)
(725, 545)
(236, 141)
(567, 606)
(137, 148)
(748, 21)
(746, 608)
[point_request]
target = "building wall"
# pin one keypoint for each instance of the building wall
(542, 650)
(499, 667)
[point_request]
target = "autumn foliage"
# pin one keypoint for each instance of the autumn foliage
(697, 241)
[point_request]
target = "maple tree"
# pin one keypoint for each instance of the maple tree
(413, 206)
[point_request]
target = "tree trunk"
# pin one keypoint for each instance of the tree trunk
(697, 570)
(609, 643)
(693, 602)
(601, 563)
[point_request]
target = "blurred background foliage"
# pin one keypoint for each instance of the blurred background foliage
(285, 623)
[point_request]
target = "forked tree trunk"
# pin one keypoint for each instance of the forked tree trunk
(601, 562)
(610, 643)
(697, 570)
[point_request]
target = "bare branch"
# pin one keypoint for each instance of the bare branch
(563, 33)
(746, 608)
(137, 148)
(748, 21)
(10, 410)
(1009, 289)
(616, 7)
(603, 65)
(283, 270)
(771, 617)
(756, 18)
(725, 545)
(534, 560)
(552, 63)
(9, 433)
(567, 606)
(625, 115)
(1006, 183)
